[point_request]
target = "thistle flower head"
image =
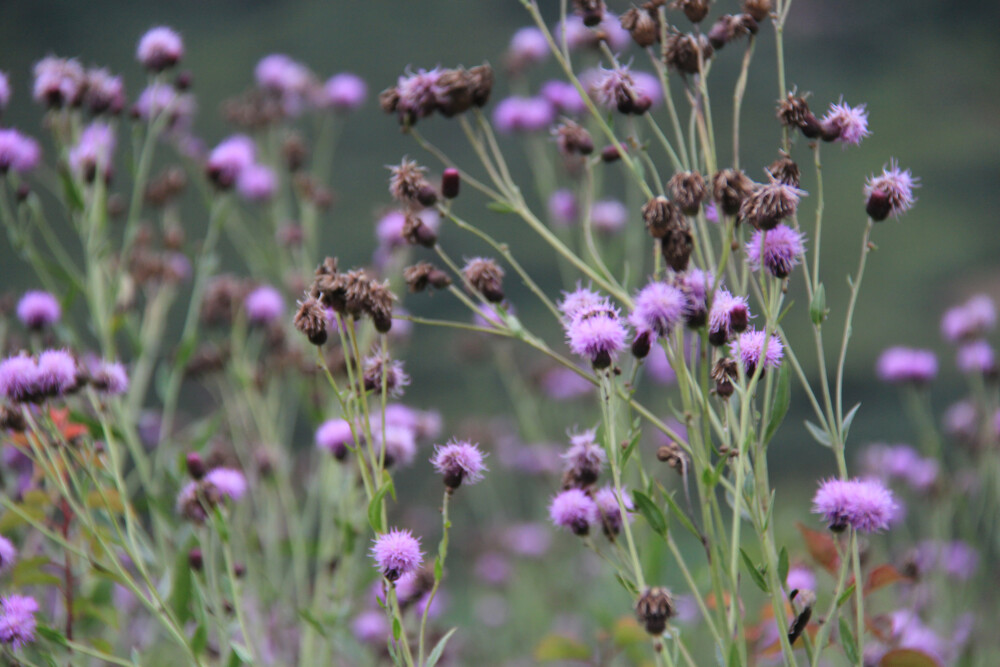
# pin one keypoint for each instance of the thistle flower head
(977, 357)
(753, 348)
(230, 483)
(285, 78)
(459, 462)
(579, 299)
(849, 124)
(93, 151)
(334, 435)
(695, 284)
(264, 305)
(778, 250)
(38, 310)
(19, 378)
(109, 378)
(159, 49)
(371, 627)
(18, 152)
(257, 183)
(608, 216)
(379, 369)
(563, 210)
(574, 510)
(417, 93)
(898, 365)
(729, 315)
(609, 510)
(900, 462)
(584, 460)
(396, 553)
(344, 92)
(8, 554)
(17, 620)
(398, 442)
(659, 307)
(865, 505)
(104, 92)
(597, 333)
(770, 203)
(228, 160)
(970, 320)
(564, 97)
(890, 193)
(523, 114)
(56, 373)
(159, 98)
(528, 46)
(59, 82)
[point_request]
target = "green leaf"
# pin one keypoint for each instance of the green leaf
(754, 571)
(734, 655)
(782, 399)
(676, 509)
(626, 584)
(243, 652)
(29, 572)
(848, 420)
(818, 434)
(234, 660)
(73, 196)
(633, 442)
(438, 568)
(397, 629)
(845, 596)
(375, 506)
(848, 642)
(308, 617)
(439, 648)
(200, 639)
(181, 587)
(817, 307)
(783, 564)
(500, 207)
(556, 647)
(51, 634)
(651, 512)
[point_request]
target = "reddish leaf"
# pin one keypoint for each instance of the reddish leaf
(882, 576)
(907, 657)
(821, 547)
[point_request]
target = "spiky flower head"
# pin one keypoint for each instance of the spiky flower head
(38, 310)
(863, 504)
(616, 89)
(849, 125)
(17, 620)
(159, 49)
(890, 193)
(59, 82)
(56, 373)
(396, 553)
(18, 152)
(777, 250)
(659, 307)
(584, 460)
(579, 299)
(109, 378)
(574, 510)
(459, 462)
(597, 333)
(379, 369)
(754, 348)
(770, 203)
(899, 365)
(610, 511)
(729, 315)
(229, 482)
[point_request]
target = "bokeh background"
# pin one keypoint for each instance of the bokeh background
(926, 69)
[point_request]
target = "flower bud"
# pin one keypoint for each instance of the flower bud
(654, 609)
(660, 216)
(196, 465)
(450, 181)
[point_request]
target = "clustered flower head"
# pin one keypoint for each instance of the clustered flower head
(449, 92)
(354, 293)
(595, 330)
(459, 462)
(484, 275)
(25, 379)
(849, 125)
(159, 49)
(769, 204)
(17, 620)
(584, 460)
(228, 160)
(970, 320)
(659, 308)
(900, 365)
(778, 250)
(396, 553)
(344, 92)
(728, 316)
(59, 82)
(574, 510)
(38, 310)
(865, 505)
(754, 348)
(890, 193)
(18, 152)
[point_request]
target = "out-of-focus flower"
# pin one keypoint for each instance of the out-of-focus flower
(264, 305)
(899, 365)
(371, 627)
(610, 511)
(94, 151)
(17, 620)
(257, 183)
(902, 462)
(109, 378)
(4, 91)
(160, 48)
(8, 554)
(334, 435)
(229, 482)
(608, 215)
(563, 210)
(528, 46)
(18, 152)
(344, 92)
(59, 82)
(523, 114)
(977, 357)
(228, 160)
(574, 510)
(970, 320)
(564, 97)
(38, 310)
(659, 307)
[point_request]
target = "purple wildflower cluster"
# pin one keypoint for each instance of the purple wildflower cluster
(396, 553)
(862, 504)
(17, 620)
(904, 365)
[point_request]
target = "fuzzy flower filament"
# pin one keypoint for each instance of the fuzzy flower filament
(459, 462)
(867, 506)
(396, 553)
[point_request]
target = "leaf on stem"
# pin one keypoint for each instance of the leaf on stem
(847, 422)
(782, 399)
(882, 576)
(821, 547)
(500, 207)
(438, 649)
(375, 506)
(817, 307)
(848, 641)
(818, 434)
(907, 657)
(652, 513)
(755, 572)
(783, 564)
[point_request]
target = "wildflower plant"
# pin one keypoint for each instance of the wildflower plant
(165, 487)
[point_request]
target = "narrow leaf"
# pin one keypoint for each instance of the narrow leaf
(754, 572)
(438, 649)
(500, 207)
(783, 564)
(679, 513)
(818, 434)
(181, 587)
(375, 507)
(817, 307)
(651, 512)
(848, 641)
(782, 399)
(849, 419)
(846, 595)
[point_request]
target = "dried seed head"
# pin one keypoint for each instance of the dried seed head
(591, 11)
(661, 215)
(723, 373)
(388, 99)
(784, 170)
(643, 25)
(688, 190)
(610, 153)
(758, 9)
(419, 276)
(572, 138)
(485, 276)
(379, 305)
(769, 204)
(794, 111)
(482, 84)
(310, 320)
(677, 247)
(694, 10)
(294, 151)
(654, 609)
(681, 52)
(454, 92)
(417, 233)
(730, 27)
(408, 185)
(729, 188)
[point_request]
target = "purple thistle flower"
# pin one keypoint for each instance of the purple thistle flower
(617, 89)
(959, 560)
(695, 284)
(609, 510)
(849, 124)
(564, 97)
(648, 86)
(977, 357)
(264, 305)
(398, 442)
(17, 620)
(280, 74)
(659, 307)
(19, 378)
(38, 310)
(969, 320)
(608, 216)
(8, 554)
(94, 151)
(395, 553)
(257, 183)
(890, 193)
(334, 435)
(160, 98)
(105, 92)
(18, 152)
(563, 210)
(4, 91)
(344, 92)
(229, 159)
(961, 420)
(902, 462)
(782, 247)
(59, 82)
(597, 333)
(729, 315)
(574, 510)
(371, 627)
(899, 365)
(584, 459)
(229, 482)
(378, 369)
(865, 505)
(579, 299)
(109, 378)
(417, 93)
(459, 462)
(159, 49)
(493, 568)
(528, 46)
(800, 578)
(56, 373)
(523, 114)
(749, 347)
